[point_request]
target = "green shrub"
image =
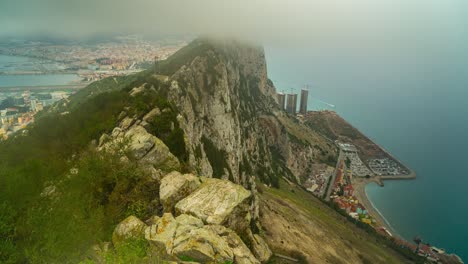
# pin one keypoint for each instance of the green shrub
(133, 251)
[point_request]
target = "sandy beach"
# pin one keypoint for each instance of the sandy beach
(359, 185)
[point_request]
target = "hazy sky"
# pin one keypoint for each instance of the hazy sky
(292, 21)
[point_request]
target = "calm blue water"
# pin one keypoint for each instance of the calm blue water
(413, 103)
(12, 63)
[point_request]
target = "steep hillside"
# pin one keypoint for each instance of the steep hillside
(233, 127)
(104, 166)
(297, 224)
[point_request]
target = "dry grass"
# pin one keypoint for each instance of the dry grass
(294, 220)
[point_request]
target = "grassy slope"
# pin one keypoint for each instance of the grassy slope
(296, 221)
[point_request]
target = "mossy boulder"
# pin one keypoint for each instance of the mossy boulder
(130, 228)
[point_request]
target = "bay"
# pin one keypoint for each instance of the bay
(17, 63)
(413, 103)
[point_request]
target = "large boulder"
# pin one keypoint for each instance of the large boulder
(160, 156)
(131, 227)
(141, 145)
(176, 186)
(140, 141)
(202, 245)
(186, 236)
(161, 233)
(241, 252)
(218, 202)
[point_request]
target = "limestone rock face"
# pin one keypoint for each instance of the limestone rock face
(161, 234)
(176, 186)
(140, 142)
(131, 227)
(203, 245)
(198, 232)
(218, 202)
(241, 252)
(160, 157)
(187, 236)
(133, 138)
(233, 126)
(209, 91)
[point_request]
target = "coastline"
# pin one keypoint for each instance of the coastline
(359, 185)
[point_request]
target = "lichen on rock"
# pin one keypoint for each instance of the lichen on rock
(218, 202)
(176, 186)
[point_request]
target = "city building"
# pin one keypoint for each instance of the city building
(292, 104)
(282, 100)
(33, 105)
(304, 98)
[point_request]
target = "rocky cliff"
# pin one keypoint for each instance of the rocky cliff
(233, 126)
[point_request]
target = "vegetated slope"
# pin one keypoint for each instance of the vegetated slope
(211, 104)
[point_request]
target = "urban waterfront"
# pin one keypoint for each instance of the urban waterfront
(412, 105)
(22, 96)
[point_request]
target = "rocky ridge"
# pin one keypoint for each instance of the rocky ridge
(203, 235)
(234, 129)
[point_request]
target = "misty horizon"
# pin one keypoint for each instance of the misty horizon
(296, 23)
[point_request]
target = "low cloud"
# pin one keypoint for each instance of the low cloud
(302, 22)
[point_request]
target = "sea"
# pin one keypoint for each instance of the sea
(412, 102)
(17, 63)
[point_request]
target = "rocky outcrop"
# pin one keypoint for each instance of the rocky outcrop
(202, 245)
(219, 125)
(176, 186)
(161, 233)
(210, 212)
(240, 251)
(187, 237)
(131, 227)
(133, 141)
(218, 202)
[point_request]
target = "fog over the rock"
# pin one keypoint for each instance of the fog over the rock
(303, 22)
